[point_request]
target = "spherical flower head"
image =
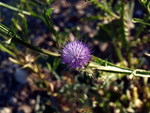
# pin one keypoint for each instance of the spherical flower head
(76, 54)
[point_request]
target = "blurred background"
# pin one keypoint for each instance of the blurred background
(35, 83)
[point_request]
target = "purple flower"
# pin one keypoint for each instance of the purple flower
(76, 54)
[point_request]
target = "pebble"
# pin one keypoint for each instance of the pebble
(5, 110)
(24, 109)
(13, 100)
(20, 76)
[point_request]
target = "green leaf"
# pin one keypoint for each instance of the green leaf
(25, 26)
(49, 11)
(148, 6)
(50, 1)
(144, 1)
(30, 9)
(16, 24)
(56, 63)
(3, 48)
(137, 20)
(8, 41)
(81, 100)
(49, 66)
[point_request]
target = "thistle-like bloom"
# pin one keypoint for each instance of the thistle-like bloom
(76, 54)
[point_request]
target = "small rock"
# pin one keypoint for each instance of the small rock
(20, 76)
(56, 10)
(139, 12)
(103, 46)
(24, 109)
(5, 110)
(12, 100)
(32, 102)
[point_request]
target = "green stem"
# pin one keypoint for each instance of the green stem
(46, 19)
(109, 68)
(124, 29)
(51, 27)
(124, 37)
(145, 4)
(114, 41)
(25, 27)
(141, 27)
(114, 69)
(24, 12)
(28, 45)
(4, 31)
(106, 9)
(106, 63)
(118, 52)
(15, 9)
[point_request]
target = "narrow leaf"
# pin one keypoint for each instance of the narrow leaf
(14, 8)
(14, 61)
(50, 1)
(2, 48)
(137, 20)
(8, 41)
(49, 11)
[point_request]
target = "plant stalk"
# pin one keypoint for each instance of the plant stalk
(14, 9)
